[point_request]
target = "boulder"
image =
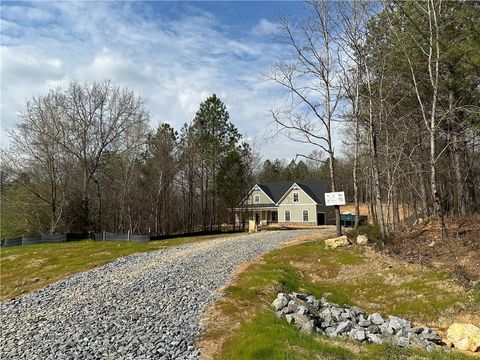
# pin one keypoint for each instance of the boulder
(334, 243)
(464, 336)
(362, 240)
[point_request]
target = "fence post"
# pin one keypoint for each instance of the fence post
(128, 235)
(103, 235)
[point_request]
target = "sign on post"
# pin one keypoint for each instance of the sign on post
(335, 198)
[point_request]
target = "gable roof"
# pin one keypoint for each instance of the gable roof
(314, 188)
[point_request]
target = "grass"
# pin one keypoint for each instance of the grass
(351, 276)
(27, 268)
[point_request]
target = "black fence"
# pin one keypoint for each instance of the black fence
(47, 238)
(103, 236)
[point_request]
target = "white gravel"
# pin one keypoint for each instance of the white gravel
(145, 306)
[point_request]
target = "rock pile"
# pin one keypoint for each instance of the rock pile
(311, 314)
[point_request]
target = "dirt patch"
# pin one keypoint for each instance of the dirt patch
(36, 263)
(101, 253)
(458, 255)
(11, 257)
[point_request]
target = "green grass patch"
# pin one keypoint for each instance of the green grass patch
(343, 276)
(27, 268)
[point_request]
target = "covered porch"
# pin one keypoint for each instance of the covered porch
(261, 215)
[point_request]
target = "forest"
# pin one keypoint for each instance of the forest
(387, 95)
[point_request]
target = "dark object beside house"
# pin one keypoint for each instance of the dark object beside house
(348, 220)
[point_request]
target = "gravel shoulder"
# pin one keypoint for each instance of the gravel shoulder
(141, 306)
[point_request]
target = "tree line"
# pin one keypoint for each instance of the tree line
(387, 93)
(84, 159)
(399, 83)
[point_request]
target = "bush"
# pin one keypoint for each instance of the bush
(372, 232)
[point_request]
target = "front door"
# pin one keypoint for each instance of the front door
(274, 216)
(257, 218)
(320, 218)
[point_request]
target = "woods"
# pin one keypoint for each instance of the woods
(402, 80)
(385, 98)
(84, 159)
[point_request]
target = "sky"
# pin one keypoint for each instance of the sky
(173, 54)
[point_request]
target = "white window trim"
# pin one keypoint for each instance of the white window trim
(308, 215)
(293, 197)
(255, 197)
(289, 216)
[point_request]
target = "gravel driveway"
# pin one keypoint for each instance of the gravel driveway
(145, 306)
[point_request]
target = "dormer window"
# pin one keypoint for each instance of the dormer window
(256, 199)
(295, 197)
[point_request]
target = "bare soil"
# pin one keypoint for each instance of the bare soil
(459, 254)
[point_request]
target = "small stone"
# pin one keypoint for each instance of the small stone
(308, 327)
(302, 310)
(374, 338)
(397, 323)
(311, 299)
(299, 320)
(362, 240)
(402, 342)
(279, 303)
(386, 329)
(374, 329)
(376, 319)
(344, 326)
(331, 332)
(357, 311)
(358, 334)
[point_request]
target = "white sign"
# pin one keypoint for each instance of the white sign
(335, 198)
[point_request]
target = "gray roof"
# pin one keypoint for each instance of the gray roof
(314, 188)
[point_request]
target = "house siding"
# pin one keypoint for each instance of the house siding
(329, 213)
(264, 199)
(296, 209)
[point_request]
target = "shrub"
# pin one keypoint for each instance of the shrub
(372, 232)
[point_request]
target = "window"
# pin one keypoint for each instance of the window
(295, 197)
(305, 215)
(256, 199)
(287, 215)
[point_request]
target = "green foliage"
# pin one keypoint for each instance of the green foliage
(371, 231)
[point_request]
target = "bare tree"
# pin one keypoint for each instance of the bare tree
(96, 119)
(312, 82)
(35, 156)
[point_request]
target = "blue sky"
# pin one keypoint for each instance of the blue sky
(174, 54)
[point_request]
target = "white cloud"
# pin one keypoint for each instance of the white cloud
(265, 28)
(174, 63)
